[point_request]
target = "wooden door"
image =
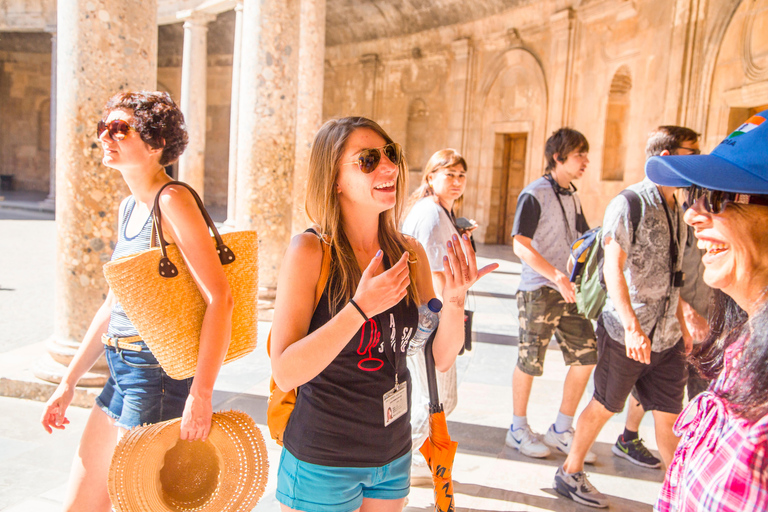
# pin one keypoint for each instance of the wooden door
(512, 182)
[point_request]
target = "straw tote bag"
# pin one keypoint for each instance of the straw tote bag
(163, 302)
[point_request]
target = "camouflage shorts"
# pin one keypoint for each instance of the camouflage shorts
(544, 312)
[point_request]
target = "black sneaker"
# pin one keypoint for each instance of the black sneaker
(575, 486)
(635, 452)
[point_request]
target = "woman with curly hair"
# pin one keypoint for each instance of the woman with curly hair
(347, 445)
(140, 133)
(721, 462)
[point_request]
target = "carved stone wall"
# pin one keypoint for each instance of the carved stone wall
(449, 80)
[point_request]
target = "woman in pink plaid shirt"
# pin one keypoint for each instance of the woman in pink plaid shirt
(721, 462)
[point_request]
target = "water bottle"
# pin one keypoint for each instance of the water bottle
(428, 320)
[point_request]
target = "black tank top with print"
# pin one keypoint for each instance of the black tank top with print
(339, 415)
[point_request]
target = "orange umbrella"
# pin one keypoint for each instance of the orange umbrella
(438, 449)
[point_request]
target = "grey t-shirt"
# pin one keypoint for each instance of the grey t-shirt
(647, 269)
(539, 216)
(428, 223)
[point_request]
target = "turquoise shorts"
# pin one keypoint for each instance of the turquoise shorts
(315, 488)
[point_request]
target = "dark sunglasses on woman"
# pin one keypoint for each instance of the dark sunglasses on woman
(116, 129)
(368, 159)
(716, 200)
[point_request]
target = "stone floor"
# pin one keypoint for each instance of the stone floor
(487, 476)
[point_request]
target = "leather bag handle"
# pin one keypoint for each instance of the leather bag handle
(166, 268)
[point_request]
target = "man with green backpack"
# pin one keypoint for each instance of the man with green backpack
(640, 333)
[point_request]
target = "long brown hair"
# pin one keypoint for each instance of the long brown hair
(324, 210)
(441, 160)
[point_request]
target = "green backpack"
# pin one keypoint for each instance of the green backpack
(586, 260)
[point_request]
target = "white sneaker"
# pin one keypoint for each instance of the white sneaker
(562, 442)
(527, 442)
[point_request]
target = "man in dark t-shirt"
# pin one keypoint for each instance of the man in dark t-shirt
(548, 219)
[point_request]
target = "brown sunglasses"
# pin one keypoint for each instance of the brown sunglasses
(116, 130)
(368, 159)
(715, 201)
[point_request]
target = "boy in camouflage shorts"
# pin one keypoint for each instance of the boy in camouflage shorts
(548, 219)
(544, 312)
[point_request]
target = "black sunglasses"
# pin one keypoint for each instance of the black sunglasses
(368, 159)
(116, 129)
(716, 200)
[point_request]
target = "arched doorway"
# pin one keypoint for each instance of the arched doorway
(511, 147)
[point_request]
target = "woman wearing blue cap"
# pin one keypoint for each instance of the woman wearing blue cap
(721, 462)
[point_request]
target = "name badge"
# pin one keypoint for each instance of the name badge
(395, 403)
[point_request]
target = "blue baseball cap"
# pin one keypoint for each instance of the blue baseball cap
(738, 164)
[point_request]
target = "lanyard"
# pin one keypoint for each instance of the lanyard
(450, 216)
(396, 350)
(551, 181)
(674, 247)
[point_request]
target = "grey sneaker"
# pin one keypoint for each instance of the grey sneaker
(561, 441)
(527, 442)
(575, 486)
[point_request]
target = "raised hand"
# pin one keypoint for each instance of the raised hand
(378, 293)
(460, 270)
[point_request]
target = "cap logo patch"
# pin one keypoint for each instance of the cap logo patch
(752, 123)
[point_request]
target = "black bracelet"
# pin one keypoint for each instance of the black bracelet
(358, 309)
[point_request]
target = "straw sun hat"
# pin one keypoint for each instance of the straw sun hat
(154, 470)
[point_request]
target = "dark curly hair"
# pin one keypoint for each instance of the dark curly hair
(158, 120)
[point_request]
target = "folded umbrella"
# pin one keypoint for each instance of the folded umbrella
(438, 449)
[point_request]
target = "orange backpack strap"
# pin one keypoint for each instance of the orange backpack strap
(281, 403)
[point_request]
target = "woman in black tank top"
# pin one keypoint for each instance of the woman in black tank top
(351, 424)
(141, 133)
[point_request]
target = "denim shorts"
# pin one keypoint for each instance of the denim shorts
(138, 390)
(315, 488)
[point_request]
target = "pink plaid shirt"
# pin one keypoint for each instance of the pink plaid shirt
(721, 462)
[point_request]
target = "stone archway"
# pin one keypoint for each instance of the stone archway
(512, 116)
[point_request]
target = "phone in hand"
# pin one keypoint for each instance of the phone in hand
(464, 224)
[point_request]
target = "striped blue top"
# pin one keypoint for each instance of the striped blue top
(119, 324)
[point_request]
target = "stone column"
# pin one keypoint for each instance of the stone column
(51, 199)
(103, 47)
(193, 102)
(234, 112)
(564, 27)
(309, 114)
(370, 64)
(460, 93)
(683, 56)
(267, 131)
